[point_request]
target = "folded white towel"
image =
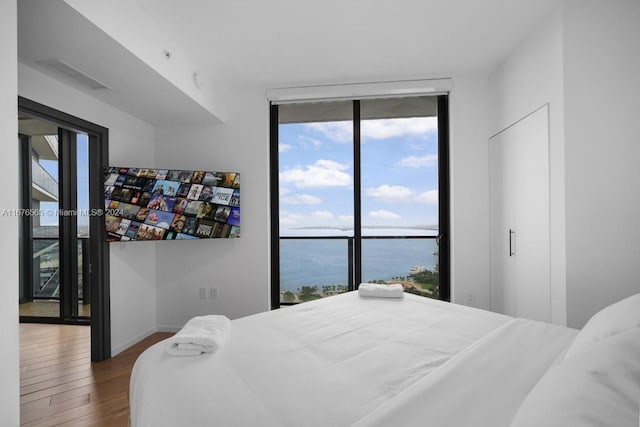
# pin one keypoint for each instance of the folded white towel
(201, 334)
(382, 291)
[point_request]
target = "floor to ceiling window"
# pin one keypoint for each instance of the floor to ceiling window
(361, 196)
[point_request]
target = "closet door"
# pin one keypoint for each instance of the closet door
(520, 264)
(502, 186)
(531, 209)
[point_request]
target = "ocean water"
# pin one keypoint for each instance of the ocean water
(324, 262)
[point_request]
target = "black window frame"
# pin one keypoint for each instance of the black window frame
(355, 243)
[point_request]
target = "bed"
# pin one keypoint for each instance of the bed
(349, 360)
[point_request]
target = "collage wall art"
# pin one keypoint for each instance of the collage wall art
(167, 204)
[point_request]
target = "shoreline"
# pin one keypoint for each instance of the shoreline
(312, 292)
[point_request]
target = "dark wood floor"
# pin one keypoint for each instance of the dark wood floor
(59, 386)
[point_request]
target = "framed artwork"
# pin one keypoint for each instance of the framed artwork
(170, 204)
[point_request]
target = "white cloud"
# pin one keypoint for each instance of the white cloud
(284, 191)
(290, 218)
(295, 219)
(383, 214)
(377, 129)
(347, 219)
(322, 214)
(283, 148)
(335, 131)
(306, 140)
(330, 164)
(390, 193)
(429, 197)
(418, 162)
(323, 173)
(301, 199)
(391, 128)
(400, 194)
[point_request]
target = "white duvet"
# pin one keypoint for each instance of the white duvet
(350, 360)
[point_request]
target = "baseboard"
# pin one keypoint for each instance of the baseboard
(115, 349)
(169, 328)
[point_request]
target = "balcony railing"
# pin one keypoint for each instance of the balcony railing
(44, 185)
(316, 267)
(46, 269)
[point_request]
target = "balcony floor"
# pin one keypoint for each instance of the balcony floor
(49, 308)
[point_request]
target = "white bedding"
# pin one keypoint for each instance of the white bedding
(484, 385)
(349, 360)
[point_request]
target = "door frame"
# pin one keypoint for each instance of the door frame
(99, 249)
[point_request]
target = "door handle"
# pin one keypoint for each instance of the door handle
(511, 245)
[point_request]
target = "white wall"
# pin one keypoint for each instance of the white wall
(530, 77)
(602, 93)
(131, 141)
(9, 368)
(239, 268)
(469, 155)
(584, 62)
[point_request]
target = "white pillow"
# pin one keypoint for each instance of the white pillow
(599, 387)
(614, 319)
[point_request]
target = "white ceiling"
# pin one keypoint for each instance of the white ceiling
(279, 43)
(284, 42)
(52, 30)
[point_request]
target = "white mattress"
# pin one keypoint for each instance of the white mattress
(348, 360)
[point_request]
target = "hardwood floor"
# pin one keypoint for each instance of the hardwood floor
(59, 386)
(49, 308)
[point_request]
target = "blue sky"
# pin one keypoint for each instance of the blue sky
(399, 174)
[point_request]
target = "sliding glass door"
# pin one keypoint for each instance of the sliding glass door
(55, 283)
(359, 189)
(64, 255)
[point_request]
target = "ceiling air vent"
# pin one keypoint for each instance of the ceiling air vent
(73, 73)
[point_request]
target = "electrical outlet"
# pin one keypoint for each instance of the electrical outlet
(470, 299)
(203, 293)
(213, 293)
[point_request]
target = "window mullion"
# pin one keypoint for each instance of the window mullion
(443, 198)
(357, 207)
(275, 209)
